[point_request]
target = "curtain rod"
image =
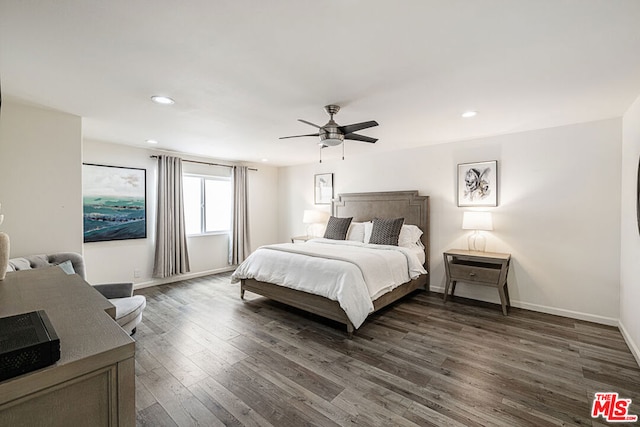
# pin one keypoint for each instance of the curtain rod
(206, 163)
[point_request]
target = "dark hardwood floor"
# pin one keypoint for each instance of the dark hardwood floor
(205, 357)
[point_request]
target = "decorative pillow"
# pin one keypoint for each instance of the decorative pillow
(386, 231)
(368, 226)
(67, 267)
(337, 228)
(356, 232)
(409, 236)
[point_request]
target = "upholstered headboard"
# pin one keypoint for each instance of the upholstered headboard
(389, 204)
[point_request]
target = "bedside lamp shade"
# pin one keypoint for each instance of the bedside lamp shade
(311, 217)
(477, 221)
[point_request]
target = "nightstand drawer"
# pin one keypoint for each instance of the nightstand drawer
(475, 272)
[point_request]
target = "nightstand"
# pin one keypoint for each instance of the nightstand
(301, 238)
(480, 268)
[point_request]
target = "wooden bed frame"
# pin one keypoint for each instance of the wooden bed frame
(362, 207)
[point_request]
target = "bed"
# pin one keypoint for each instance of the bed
(362, 207)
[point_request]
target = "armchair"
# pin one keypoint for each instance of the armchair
(129, 307)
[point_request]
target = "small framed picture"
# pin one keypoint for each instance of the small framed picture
(323, 188)
(478, 184)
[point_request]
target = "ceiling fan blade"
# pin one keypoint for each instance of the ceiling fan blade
(357, 126)
(298, 136)
(356, 137)
(309, 123)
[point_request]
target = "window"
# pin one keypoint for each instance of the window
(207, 204)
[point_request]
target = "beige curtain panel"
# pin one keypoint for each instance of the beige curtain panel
(240, 247)
(171, 256)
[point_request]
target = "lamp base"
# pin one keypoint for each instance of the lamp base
(477, 242)
(313, 231)
(4, 254)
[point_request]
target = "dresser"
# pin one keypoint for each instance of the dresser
(478, 268)
(93, 383)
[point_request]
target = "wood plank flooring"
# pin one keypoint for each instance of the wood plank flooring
(205, 357)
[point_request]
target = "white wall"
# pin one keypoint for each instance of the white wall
(40, 179)
(119, 260)
(558, 212)
(630, 239)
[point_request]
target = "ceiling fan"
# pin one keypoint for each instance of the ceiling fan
(333, 134)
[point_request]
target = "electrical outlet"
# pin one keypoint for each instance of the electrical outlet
(136, 273)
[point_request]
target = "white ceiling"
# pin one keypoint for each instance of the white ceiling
(241, 72)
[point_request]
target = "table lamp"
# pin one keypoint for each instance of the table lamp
(311, 218)
(477, 221)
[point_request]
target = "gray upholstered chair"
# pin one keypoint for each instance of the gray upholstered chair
(129, 307)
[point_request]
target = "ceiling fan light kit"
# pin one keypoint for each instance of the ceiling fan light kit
(332, 134)
(329, 134)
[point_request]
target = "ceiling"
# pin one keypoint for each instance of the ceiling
(242, 72)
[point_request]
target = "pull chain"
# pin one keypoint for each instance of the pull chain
(343, 144)
(321, 147)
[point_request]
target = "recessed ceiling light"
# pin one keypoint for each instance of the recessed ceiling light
(265, 160)
(151, 141)
(468, 114)
(164, 100)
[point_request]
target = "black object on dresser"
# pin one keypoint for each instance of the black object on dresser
(28, 342)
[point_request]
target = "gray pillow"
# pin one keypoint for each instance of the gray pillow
(386, 231)
(337, 228)
(18, 264)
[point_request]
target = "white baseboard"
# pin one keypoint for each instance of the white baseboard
(172, 279)
(632, 345)
(610, 321)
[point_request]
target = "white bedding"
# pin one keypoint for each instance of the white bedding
(352, 273)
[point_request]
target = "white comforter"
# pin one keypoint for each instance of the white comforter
(352, 273)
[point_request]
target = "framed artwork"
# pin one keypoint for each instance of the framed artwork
(478, 184)
(114, 203)
(323, 188)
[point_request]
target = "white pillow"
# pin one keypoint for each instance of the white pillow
(356, 232)
(409, 236)
(368, 227)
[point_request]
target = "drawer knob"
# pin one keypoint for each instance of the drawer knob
(472, 274)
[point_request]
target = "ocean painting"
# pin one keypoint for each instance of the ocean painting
(114, 203)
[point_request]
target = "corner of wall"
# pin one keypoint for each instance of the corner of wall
(629, 234)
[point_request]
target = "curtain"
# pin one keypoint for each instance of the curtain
(239, 243)
(171, 255)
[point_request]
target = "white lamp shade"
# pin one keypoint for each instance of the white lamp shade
(477, 221)
(314, 217)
